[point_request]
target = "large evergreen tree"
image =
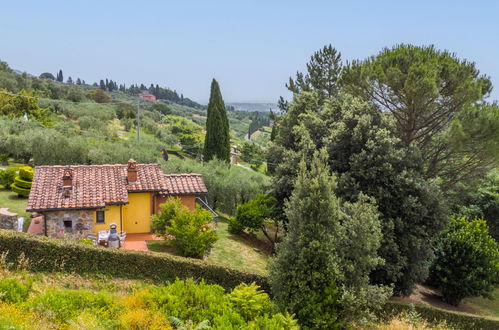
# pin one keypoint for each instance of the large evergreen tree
(304, 274)
(217, 140)
(321, 271)
(437, 101)
(368, 158)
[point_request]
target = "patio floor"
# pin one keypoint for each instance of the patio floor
(137, 242)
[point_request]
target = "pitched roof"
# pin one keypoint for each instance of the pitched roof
(95, 186)
(182, 184)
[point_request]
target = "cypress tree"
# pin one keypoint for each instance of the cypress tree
(217, 140)
(60, 76)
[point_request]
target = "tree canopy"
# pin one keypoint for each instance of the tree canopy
(430, 94)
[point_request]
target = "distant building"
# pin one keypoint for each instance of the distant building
(147, 96)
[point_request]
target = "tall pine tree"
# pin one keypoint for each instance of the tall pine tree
(217, 140)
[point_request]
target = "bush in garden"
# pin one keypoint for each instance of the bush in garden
(64, 305)
(467, 262)
(13, 291)
(192, 233)
(7, 176)
(257, 215)
(22, 182)
(250, 301)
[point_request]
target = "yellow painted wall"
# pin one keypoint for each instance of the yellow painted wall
(137, 213)
(112, 214)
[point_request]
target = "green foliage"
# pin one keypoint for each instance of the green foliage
(323, 73)
(250, 302)
(252, 153)
(86, 241)
(13, 291)
(308, 247)
(23, 104)
(99, 96)
(8, 176)
(126, 110)
(436, 316)
(228, 186)
(26, 173)
(22, 182)
(161, 108)
(320, 241)
(467, 262)
(482, 201)
(47, 75)
(64, 305)
(369, 159)
(217, 141)
(191, 232)
(47, 254)
(432, 93)
(257, 215)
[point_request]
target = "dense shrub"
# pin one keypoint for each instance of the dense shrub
(13, 291)
(48, 254)
(99, 96)
(467, 262)
(258, 215)
(7, 176)
(64, 305)
(191, 232)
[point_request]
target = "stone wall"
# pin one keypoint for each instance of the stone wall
(8, 220)
(69, 223)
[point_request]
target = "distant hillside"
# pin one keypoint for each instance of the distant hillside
(263, 107)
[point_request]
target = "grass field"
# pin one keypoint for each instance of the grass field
(229, 250)
(484, 306)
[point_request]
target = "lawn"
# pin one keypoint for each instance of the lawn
(13, 202)
(230, 250)
(484, 306)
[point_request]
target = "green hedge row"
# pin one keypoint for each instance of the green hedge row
(56, 255)
(434, 316)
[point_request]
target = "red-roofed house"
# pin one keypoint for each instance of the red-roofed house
(84, 199)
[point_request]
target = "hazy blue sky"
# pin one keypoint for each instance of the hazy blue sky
(250, 47)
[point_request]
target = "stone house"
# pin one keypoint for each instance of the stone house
(83, 199)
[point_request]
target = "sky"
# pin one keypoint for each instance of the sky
(250, 47)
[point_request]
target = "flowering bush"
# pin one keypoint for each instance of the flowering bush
(192, 233)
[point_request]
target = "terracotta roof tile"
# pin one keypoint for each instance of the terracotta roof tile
(94, 186)
(184, 184)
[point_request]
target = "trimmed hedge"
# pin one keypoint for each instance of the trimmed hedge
(22, 183)
(56, 255)
(26, 173)
(20, 191)
(435, 315)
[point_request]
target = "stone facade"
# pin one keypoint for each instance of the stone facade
(8, 220)
(69, 223)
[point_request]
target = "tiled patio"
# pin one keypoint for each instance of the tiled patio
(137, 242)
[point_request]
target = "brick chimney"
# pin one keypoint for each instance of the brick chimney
(132, 171)
(67, 177)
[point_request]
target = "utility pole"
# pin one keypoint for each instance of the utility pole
(138, 122)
